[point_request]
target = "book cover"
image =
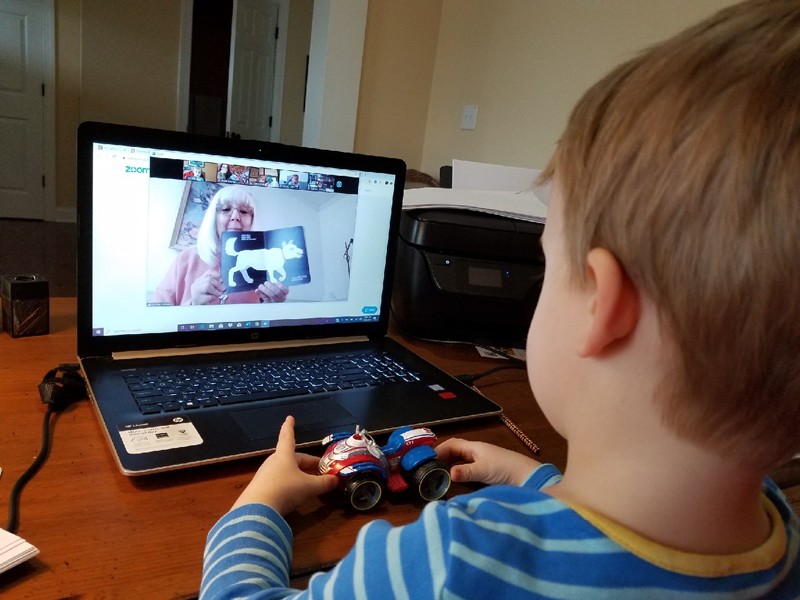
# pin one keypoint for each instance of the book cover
(249, 258)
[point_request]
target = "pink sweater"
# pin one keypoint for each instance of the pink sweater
(176, 287)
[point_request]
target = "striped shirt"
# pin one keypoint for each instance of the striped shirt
(501, 542)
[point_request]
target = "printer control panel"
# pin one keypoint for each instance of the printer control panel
(458, 274)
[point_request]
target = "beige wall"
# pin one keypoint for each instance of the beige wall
(523, 62)
(526, 62)
(115, 62)
(396, 78)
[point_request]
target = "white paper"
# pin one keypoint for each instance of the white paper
(526, 206)
(14, 550)
(469, 175)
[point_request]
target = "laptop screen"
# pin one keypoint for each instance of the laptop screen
(188, 240)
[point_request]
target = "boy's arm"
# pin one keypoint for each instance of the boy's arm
(287, 478)
(248, 552)
(485, 463)
(248, 555)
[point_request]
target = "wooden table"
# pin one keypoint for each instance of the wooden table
(104, 535)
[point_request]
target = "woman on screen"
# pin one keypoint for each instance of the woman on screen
(194, 277)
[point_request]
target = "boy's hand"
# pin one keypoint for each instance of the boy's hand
(287, 478)
(485, 463)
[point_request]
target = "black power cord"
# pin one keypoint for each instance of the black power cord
(514, 363)
(471, 378)
(59, 388)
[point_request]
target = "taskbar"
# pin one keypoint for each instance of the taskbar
(218, 325)
(227, 325)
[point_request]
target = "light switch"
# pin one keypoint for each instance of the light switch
(469, 117)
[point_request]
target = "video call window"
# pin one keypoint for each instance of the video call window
(228, 173)
(294, 180)
(193, 170)
(264, 177)
(293, 238)
(318, 182)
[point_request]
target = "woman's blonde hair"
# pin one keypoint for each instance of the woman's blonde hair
(685, 163)
(208, 242)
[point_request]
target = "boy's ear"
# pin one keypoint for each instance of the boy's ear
(613, 303)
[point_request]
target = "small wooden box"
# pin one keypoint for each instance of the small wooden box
(26, 305)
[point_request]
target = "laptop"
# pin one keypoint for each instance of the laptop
(190, 356)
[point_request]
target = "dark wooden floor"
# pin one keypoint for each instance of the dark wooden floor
(42, 248)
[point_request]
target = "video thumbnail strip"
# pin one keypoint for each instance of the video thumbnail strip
(290, 179)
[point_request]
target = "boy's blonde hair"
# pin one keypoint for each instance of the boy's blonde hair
(685, 163)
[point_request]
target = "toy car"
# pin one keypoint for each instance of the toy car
(365, 469)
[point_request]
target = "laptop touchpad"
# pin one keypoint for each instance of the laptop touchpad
(322, 416)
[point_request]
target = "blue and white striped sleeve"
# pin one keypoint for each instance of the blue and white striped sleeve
(429, 557)
(542, 477)
(248, 555)
(392, 562)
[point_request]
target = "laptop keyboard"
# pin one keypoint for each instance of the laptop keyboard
(195, 388)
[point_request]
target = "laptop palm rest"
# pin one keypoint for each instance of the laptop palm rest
(314, 419)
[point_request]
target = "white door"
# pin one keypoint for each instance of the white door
(22, 109)
(253, 48)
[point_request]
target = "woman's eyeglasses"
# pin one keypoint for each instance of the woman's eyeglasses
(244, 211)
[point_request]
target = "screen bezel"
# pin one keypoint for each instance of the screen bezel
(90, 133)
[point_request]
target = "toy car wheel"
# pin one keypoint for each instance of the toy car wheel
(431, 480)
(363, 492)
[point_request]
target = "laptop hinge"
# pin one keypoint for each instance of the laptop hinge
(190, 350)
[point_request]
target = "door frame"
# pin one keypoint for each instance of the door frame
(48, 141)
(52, 212)
(277, 83)
(185, 62)
(337, 36)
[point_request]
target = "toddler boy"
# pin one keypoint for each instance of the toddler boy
(665, 348)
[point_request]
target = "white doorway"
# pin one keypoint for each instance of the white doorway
(252, 69)
(334, 71)
(27, 91)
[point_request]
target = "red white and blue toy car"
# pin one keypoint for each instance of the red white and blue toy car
(365, 469)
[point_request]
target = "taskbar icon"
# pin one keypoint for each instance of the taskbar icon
(357, 319)
(222, 325)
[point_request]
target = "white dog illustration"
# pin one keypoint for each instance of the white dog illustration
(271, 260)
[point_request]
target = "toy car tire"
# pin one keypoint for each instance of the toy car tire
(363, 492)
(431, 480)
